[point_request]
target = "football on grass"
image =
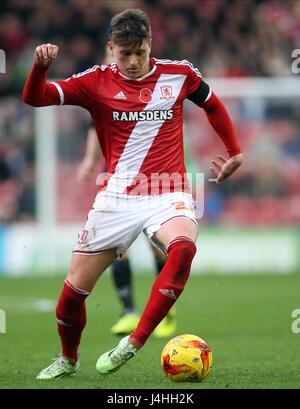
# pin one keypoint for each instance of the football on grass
(186, 358)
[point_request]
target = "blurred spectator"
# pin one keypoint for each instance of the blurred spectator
(221, 37)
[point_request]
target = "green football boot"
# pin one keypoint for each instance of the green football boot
(126, 324)
(61, 367)
(167, 326)
(112, 360)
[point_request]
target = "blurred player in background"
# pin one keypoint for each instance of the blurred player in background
(121, 269)
(136, 105)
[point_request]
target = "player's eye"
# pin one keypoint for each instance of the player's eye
(128, 53)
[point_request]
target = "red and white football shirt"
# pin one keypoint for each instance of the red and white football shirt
(139, 122)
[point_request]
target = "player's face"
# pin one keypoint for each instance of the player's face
(133, 61)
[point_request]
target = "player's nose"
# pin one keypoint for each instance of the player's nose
(133, 61)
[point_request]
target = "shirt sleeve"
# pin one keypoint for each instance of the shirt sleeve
(201, 95)
(80, 89)
(37, 92)
(221, 122)
(194, 78)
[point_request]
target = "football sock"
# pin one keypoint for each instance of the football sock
(71, 319)
(166, 289)
(122, 274)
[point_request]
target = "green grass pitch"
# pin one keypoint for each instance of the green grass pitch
(245, 319)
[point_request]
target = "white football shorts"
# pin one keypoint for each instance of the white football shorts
(115, 221)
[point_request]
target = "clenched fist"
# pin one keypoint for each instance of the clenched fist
(45, 54)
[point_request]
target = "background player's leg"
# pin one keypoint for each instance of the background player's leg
(122, 279)
(159, 259)
(177, 237)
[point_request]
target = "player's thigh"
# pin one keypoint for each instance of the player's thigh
(85, 270)
(175, 228)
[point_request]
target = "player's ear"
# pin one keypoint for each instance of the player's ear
(110, 47)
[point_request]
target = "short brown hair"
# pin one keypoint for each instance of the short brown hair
(132, 26)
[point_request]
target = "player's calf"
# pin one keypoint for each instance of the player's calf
(71, 319)
(166, 289)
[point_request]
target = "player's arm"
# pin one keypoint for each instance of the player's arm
(37, 91)
(80, 89)
(221, 122)
(92, 154)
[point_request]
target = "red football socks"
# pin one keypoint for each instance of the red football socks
(166, 289)
(71, 319)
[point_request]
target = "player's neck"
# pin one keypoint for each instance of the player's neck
(150, 65)
(147, 70)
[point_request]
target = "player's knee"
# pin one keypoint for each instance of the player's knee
(70, 309)
(187, 251)
(184, 248)
(182, 253)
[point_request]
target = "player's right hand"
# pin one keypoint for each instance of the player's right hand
(226, 167)
(45, 54)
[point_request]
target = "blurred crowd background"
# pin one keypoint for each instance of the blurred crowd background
(222, 38)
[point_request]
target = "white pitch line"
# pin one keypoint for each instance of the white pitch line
(24, 304)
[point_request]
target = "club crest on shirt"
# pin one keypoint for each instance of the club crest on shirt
(145, 95)
(166, 92)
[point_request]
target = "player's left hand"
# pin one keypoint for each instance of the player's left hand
(225, 167)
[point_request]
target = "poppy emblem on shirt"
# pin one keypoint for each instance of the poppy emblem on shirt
(166, 92)
(145, 95)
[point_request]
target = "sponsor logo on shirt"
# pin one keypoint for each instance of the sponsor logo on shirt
(155, 115)
(120, 95)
